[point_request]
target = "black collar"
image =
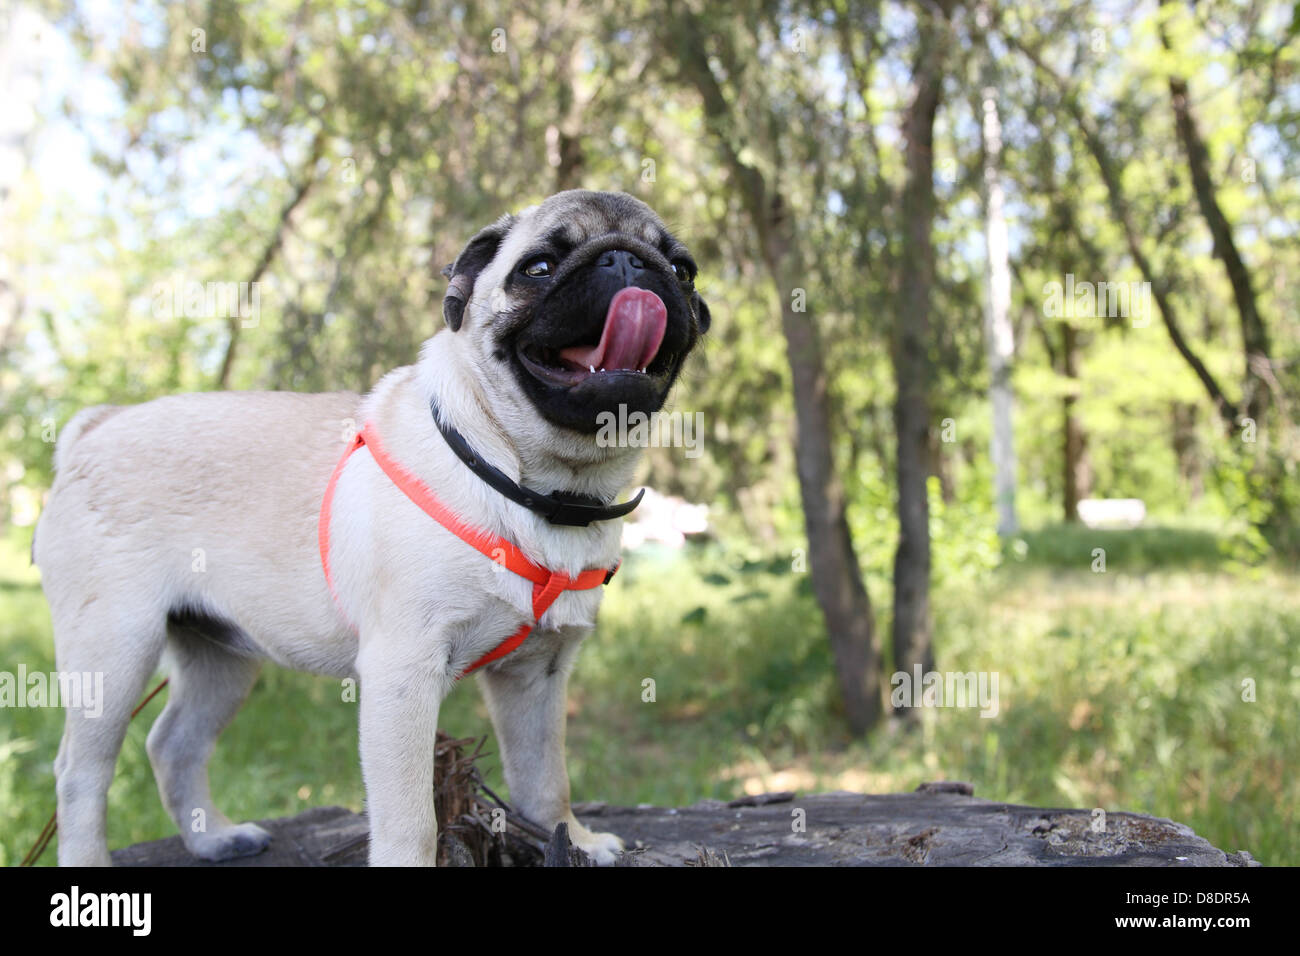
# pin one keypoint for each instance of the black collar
(559, 507)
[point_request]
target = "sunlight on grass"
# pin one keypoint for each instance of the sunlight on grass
(1121, 690)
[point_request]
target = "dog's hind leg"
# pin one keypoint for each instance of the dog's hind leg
(207, 686)
(93, 651)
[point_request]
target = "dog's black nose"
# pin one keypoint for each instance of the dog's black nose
(621, 263)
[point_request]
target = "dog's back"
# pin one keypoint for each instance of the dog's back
(189, 523)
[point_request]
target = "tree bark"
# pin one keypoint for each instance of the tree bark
(836, 576)
(564, 149)
(911, 361)
(1254, 336)
(1187, 450)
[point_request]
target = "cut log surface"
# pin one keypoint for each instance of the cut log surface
(939, 825)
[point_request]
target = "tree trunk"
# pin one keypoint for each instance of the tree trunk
(911, 362)
(997, 321)
(1077, 474)
(941, 466)
(1254, 337)
(564, 136)
(836, 576)
(1187, 450)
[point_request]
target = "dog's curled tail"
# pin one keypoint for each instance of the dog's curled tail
(78, 425)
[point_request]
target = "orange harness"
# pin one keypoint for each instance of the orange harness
(547, 585)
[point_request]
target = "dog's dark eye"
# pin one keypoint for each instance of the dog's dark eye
(539, 268)
(683, 270)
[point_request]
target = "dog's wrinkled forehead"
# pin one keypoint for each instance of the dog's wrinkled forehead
(583, 215)
(579, 215)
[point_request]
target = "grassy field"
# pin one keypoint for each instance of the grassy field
(1120, 689)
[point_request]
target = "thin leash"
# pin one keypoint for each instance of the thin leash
(47, 834)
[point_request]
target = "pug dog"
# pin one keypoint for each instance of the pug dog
(222, 530)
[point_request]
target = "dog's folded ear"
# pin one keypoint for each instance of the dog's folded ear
(472, 260)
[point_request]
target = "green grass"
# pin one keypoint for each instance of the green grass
(1071, 547)
(1120, 690)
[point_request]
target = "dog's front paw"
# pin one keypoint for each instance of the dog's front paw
(603, 848)
(228, 843)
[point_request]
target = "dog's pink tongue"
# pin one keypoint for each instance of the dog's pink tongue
(634, 329)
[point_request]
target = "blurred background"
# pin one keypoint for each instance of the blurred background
(1002, 377)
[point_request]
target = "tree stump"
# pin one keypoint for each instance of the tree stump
(938, 825)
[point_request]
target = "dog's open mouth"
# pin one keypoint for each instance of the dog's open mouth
(629, 344)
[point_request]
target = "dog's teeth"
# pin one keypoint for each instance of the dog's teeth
(592, 369)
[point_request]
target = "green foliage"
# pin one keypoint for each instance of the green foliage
(401, 129)
(1261, 489)
(425, 131)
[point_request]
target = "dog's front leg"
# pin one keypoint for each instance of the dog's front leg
(400, 697)
(526, 698)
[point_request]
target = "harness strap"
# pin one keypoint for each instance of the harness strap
(547, 585)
